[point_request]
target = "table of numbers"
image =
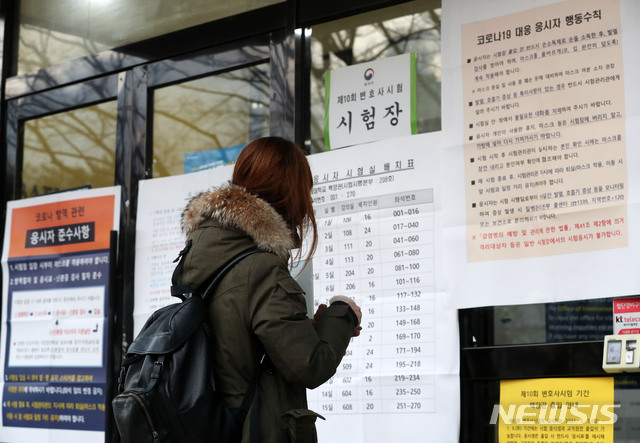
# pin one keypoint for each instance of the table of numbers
(377, 248)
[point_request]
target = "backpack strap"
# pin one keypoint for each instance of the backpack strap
(178, 290)
(184, 291)
(252, 397)
(250, 400)
(206, 295)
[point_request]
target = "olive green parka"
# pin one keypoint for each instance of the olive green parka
(259, 306)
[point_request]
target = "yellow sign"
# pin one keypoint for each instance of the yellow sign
(556, 409)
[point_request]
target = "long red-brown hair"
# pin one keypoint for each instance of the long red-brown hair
(277, 171)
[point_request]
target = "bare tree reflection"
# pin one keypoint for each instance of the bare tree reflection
(69, 150)
(41, 47)
(77, 148)
(209, 113)
(355, 43)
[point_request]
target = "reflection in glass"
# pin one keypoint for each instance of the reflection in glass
(54, 31)
(209, 113)
(409, 27)
(560, 322)
(627, 395)
(70, 150)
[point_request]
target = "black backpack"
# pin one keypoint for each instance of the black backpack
(166, 388)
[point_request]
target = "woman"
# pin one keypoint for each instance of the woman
(258, 307)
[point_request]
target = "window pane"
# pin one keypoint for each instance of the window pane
(209, 113)
(409, 27)
(558, 322)
(70, 150)
(54, 31)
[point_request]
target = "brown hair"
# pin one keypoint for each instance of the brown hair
(277, 171)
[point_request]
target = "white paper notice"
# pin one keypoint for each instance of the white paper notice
(57, 327)
(370, 101)
(159, 237)
(543, 150)
(379, 218)
(378, 208)
(544, 132)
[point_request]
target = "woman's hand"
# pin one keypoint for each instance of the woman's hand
(318, 314)
(354, 307)
(358, 312)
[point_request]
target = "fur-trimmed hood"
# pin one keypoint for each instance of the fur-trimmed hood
(233, 207)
